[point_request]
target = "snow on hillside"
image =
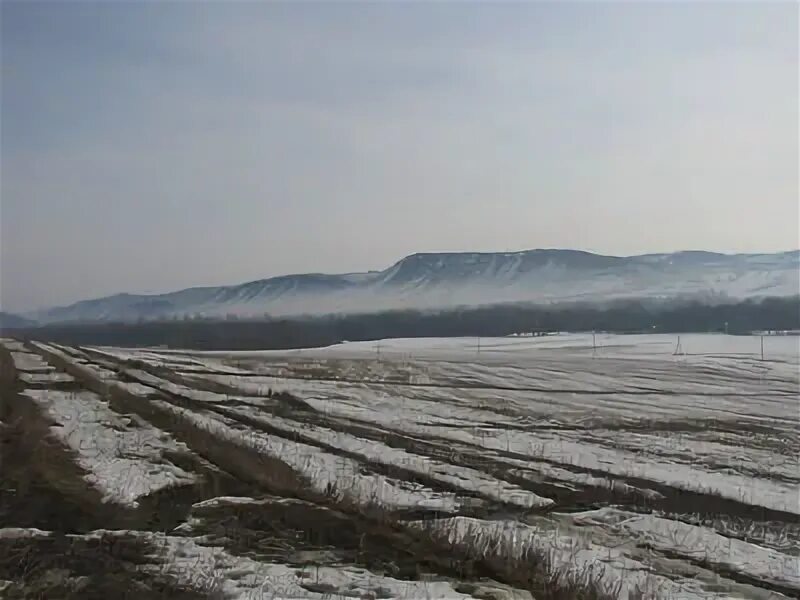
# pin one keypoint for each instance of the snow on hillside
(464, 279)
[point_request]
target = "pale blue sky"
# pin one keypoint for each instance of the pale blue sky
(148, 147)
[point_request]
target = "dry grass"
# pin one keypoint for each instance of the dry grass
(532, 567)
(100, 567)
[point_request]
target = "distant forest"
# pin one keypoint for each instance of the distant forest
(500, 320)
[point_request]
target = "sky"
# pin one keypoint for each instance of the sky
(149, 147)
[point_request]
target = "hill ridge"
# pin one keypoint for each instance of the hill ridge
(451, 279)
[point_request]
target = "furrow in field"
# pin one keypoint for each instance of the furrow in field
(213, 569)
(745, 490)
(412, 416)
(327, 474)
(680, 471)
(46, 378)
(153, 359)
(12, 345)
(498, 406)
(124, 457)
(463, 478)
(419, 417)
(682, 448)
(712, 436)
(741, 560)
(184, 391)
(616, 572)
(28, 362)
(212, 572)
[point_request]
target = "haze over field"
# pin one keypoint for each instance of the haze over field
(151, 147)
(447, 281)
(399, 300)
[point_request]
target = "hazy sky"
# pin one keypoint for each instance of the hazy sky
(148, 147)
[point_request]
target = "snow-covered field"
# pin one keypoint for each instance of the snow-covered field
(646, 464)
(522, 348)
(123, 456)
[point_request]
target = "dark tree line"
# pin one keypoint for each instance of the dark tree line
(500, 320)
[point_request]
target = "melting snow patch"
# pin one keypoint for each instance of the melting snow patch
(211, 569)
(135, 388)
(174, 388)
(32, 363)
(576, 556)
(219, 501)
(49, 377)
(22, 532)
(553, 447)
(13, 345)
(702, 545)
(326, 473)
(461, 477)
(123, 456)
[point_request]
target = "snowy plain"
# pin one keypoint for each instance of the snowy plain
(663, 466)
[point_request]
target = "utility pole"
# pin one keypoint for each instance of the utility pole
(479, 345)
(594, 344)
(762, 346)
(678, 349)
